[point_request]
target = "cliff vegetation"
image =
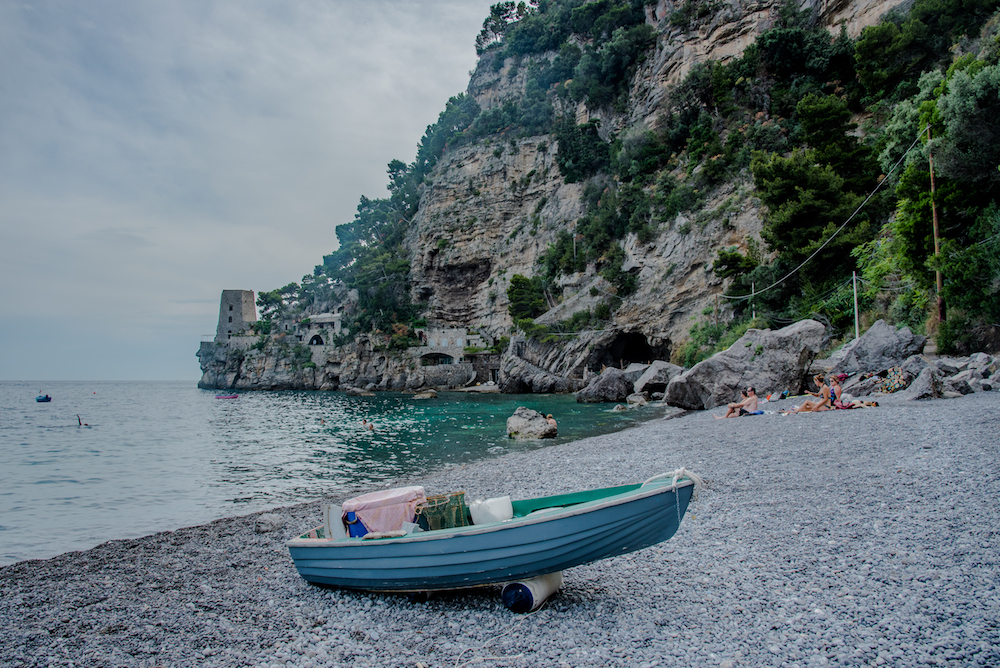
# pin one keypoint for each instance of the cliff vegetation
(594, 177)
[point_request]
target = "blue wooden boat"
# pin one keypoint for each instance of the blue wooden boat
(43, 399)
(546, 535)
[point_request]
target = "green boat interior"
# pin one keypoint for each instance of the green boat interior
(525, 507)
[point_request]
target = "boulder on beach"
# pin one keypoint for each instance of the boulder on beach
(927, 385)
(519, 376)
(612, 385)
(657, 377)
(637, 399)
(528, 424)
(881, 347)
(772, 361)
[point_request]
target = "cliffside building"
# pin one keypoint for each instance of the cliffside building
(237, 309)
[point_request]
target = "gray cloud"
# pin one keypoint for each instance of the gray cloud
(153, 154)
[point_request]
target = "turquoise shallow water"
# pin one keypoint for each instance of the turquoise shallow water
(162, 455)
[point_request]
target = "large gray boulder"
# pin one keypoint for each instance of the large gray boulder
(528, 424)
(612, 385)
(881, 347)
(519, 376)
(927, 385)
(914, 364)
(770, 361)
(657, 377)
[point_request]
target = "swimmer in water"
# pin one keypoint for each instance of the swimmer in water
(80, 422)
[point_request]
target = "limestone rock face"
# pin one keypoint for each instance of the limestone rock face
(612, 385)
(770, 361)
(360, 364)
(880, 348)
(528, 424)
(490, 210)
(657, 377)
(517, 376)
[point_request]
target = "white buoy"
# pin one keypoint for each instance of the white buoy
(528, 595)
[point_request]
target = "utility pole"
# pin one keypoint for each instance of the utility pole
(854, 278)
(942, 315)
(753, 309)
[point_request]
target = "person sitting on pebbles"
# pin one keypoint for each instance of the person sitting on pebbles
(746, 406)
(822, 403)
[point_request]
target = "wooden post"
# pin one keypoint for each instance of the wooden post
(854, 277)
(942, 314)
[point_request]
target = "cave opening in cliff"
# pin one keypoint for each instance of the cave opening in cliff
(316, 340)
(629, 347)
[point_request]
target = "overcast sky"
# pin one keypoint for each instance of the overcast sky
(153, 154)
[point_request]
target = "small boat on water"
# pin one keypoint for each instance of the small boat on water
(43, 398)
(545, 535)
(227, 396)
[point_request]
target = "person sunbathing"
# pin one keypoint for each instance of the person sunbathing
(746, 406)
(822, 402)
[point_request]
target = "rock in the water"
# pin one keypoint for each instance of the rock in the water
(657, 377)
(927, 385)
(619, 408)
(880, 348)
(611, 385)
(426, 394)
(527, 424)
(637, 399)
(358, 392)
(770, 361)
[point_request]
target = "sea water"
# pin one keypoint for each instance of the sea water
(107, 460)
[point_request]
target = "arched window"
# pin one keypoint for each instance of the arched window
(316, 340)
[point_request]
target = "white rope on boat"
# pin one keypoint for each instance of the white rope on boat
(678, 475)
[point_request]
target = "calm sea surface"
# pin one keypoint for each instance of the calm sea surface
(162, 455)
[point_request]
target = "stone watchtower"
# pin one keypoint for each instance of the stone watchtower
(236, 310)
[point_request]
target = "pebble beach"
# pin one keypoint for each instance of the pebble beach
(861, 537)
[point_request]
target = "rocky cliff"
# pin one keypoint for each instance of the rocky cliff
(490, 209)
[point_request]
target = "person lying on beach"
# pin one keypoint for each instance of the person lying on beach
(823, 399)
(744, 407)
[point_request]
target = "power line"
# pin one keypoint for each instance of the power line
(832, 236)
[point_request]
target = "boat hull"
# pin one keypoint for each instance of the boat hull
(545, 542)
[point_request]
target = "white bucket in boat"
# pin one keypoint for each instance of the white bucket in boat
(491, 510)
